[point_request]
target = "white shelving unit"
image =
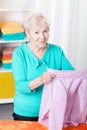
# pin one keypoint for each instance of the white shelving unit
(6, 100)
(12, 15)
(13, 41)
(9, 14)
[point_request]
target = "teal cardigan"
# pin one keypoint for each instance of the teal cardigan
(26, 67)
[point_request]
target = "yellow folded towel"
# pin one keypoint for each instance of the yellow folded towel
(8, 27)
(6, 61)
(10, 30)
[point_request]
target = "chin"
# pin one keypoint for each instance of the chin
(42, 45)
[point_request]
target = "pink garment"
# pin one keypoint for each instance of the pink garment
(64, 100)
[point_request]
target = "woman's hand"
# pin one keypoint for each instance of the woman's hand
(44, 79)
(47, 77)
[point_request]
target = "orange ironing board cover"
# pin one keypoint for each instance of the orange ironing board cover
(31, 125)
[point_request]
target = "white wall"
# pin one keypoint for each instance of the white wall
(68, 27)
(81, 40)
(77, 31)
(15, 4)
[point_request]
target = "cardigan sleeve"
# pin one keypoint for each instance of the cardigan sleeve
(19, 72)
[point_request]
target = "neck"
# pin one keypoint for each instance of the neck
(37, 48)
(37, 51)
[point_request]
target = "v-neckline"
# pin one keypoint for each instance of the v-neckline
(35, 55)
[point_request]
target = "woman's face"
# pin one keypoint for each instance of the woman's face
(38, 35)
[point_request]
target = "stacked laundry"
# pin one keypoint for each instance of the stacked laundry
(0, 57)
(12, 30)
(6, 57)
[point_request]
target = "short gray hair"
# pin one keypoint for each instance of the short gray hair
(35, 19)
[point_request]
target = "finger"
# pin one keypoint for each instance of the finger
(52, 75)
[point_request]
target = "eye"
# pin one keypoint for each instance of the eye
(36, 32)
(46, 31)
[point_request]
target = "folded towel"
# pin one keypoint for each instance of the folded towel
(7, 50)
(15, 36)
(7, 66)
(6, 58)
(9, 23)
(11, 27)
(7, 30)
(7, 61)
(4, 55)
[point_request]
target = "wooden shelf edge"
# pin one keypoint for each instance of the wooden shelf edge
(6, 100)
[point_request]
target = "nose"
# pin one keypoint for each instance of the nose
(41, 36)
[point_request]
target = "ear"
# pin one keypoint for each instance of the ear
(27, 34)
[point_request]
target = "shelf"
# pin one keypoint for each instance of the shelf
(14, 41)
(2, 70)
(7, 10)
(6, 100)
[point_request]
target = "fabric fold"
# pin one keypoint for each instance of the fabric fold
(64, 100)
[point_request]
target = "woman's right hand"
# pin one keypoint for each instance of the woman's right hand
(47, 77)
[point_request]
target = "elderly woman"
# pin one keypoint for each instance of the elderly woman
(29, 66)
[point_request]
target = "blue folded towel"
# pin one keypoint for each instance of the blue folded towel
(14, 36)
